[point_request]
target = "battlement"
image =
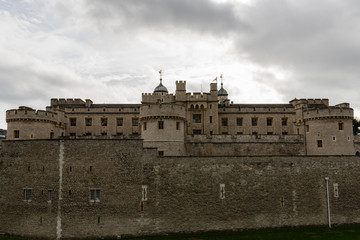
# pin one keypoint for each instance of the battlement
(310, 101)
(156, 98)
(180, 85)
(330, 112)
(68, 101)
(26, 113)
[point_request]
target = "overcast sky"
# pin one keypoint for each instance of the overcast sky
(111, 51)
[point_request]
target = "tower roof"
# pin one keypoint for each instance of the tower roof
(222, 91)
(160, 88)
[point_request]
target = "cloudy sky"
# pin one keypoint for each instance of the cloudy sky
(111, 51)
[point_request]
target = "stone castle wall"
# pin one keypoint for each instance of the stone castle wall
(182, 194)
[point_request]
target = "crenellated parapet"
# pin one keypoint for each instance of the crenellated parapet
(157, 98)
(333, 112)
(29, 114)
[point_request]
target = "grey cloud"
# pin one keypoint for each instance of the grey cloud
(199, 15)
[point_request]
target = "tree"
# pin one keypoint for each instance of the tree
(356, 125)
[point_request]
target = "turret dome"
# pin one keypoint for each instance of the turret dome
(222, 91)
(160, 88)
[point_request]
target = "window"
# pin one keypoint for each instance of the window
(239, 133)
(144, 193)
(144, 126)
(239, 121)
(254, 122)
(336, 190)
(16, 133)
(224, 122)
(119, 122)
(95, 195)
(72, 122)
(104, 133)
(319, 144)
(27, 194)
(269, 133)
(72, 134)
(269, 121)
(222, 191)
(177, 125)
(341, 126)
(334, 138)
(88, 134)
(307, 128)
(49, 195)
(284, 133)
(52, 135)
(197, 118)
(104, 122)
(197, 131)
(284, 121)
(135, 122)
(254, 133)
(161, 153)
(210, 119)
(160, 124)
(88, 122)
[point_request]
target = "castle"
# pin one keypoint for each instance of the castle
(177, 124)
(182, 162)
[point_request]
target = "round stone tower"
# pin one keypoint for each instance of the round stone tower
(328, 130)
(27, 123)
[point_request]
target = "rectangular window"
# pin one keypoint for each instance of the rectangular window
(119, 122)
(239, 133)
(222, 191)
(104, 122)
(254, 133)
(254, 122)
(210, 119)
(177, 125)
(239, 122)
(336, 190)
(307, 128)
(284, 133)
(269, 121)
(196, 118)
(284, 121)
(16, 133)
(319, 144)
(88, 122)
(95, 195)
(72, 122)
(161, 153)
(269, 133)
(224, 122)
(144, 193)
(49, 195)
(160, 124)
(334, 138)
(27, 194)
(341, 126)
(103, 133)
(196, 131)
(135, 122)
(72, 134)
(144, 126)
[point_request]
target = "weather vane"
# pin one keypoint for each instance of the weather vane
(221, 77)
(160, 72)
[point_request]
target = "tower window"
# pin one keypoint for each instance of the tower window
(222, 191)
(177, 125)
(161, 124)
(210, 119)
(269, 121)
(197, 118)
(284, 121)
(341, 126)
(319, 144)
(95, 195)
(224, 122)
(144, 126)
(16, 133)
(27, 194)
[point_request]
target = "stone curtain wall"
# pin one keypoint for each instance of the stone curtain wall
(143, 194)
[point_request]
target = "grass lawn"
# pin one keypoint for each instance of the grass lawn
(338, 232)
